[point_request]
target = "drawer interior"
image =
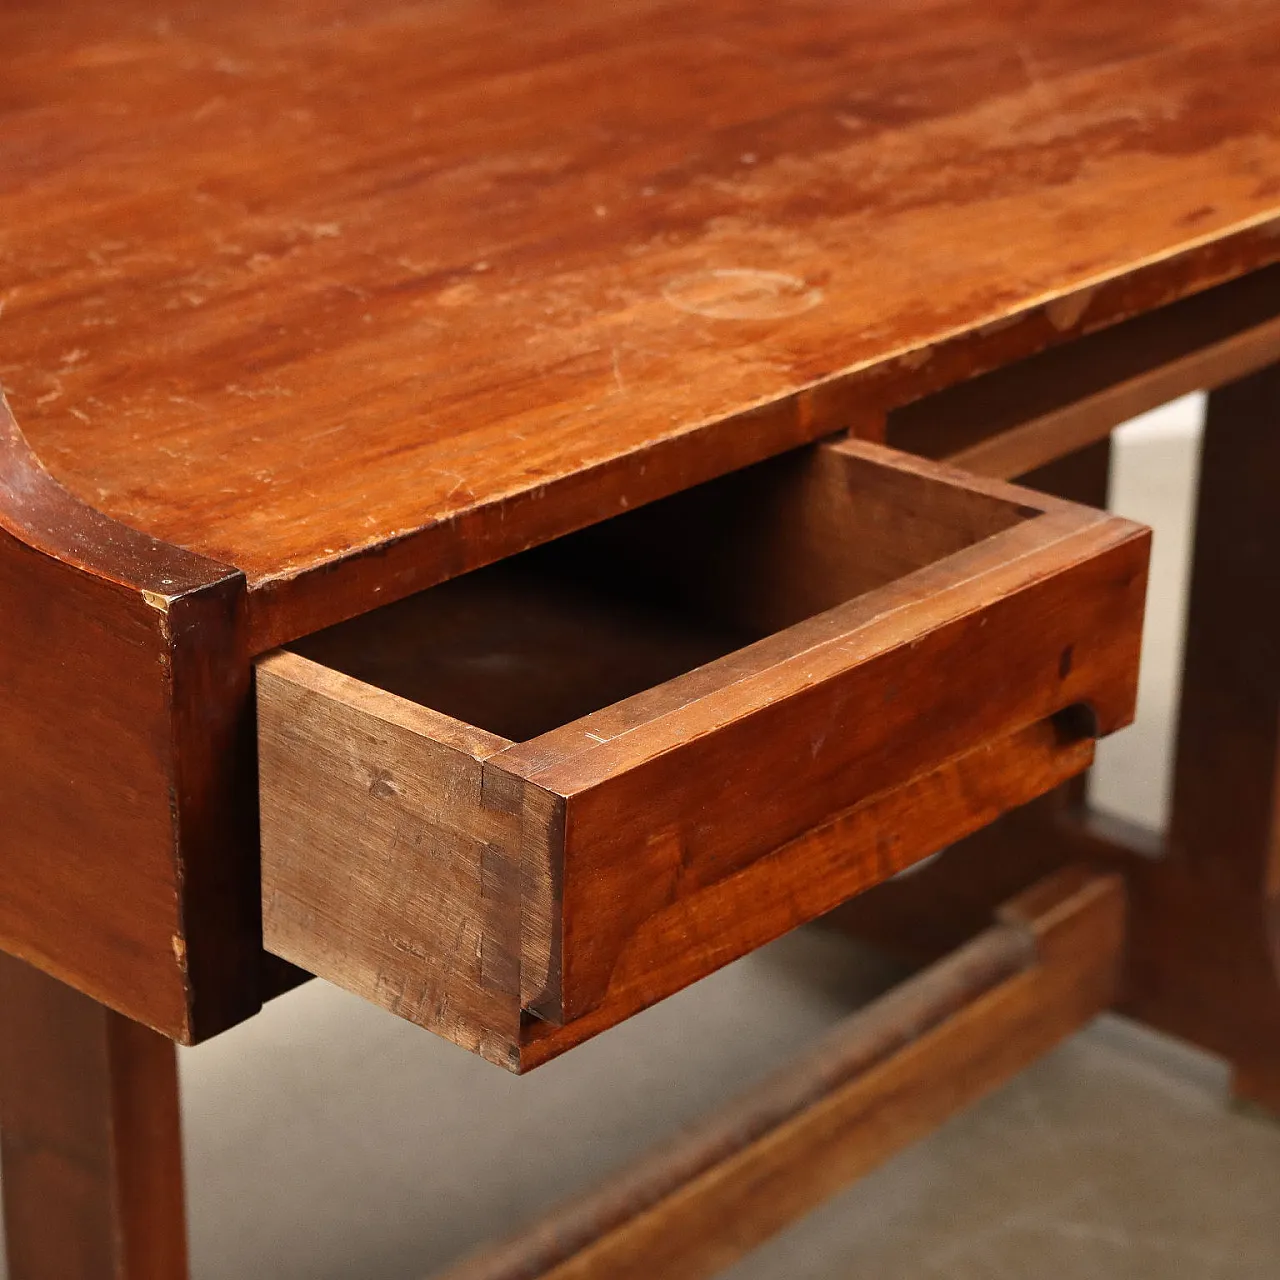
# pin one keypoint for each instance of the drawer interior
(546, 637)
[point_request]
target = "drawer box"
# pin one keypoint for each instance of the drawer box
(523, 805)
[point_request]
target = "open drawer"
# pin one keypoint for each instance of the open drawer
(521, 806)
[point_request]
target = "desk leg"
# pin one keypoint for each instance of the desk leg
(1204, 925)
(89, 1136)
(1205, 960)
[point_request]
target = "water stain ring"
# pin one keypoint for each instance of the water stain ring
(739, 293)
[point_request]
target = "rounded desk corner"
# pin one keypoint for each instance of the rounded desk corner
(40, 513)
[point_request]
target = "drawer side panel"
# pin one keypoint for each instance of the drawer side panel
(382, 868)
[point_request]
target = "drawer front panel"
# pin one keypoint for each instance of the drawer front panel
(680, 804)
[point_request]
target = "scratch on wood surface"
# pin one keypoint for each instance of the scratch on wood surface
(1035, 78)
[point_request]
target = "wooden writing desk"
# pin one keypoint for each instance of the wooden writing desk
(309, 310)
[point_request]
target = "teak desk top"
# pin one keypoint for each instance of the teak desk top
(287, 284)
(306, 306)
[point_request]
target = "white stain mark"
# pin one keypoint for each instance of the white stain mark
(208, 108)
(916, 359)
(418, 268)
(257, 393)
(739, 293)
(458, 295)
(1066, 313)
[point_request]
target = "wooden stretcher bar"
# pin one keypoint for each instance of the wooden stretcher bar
(875, 1083)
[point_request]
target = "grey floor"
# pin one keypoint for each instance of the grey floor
(327, 1140)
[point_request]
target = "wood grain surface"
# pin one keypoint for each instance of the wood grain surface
(344, 300)
(353, 297)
